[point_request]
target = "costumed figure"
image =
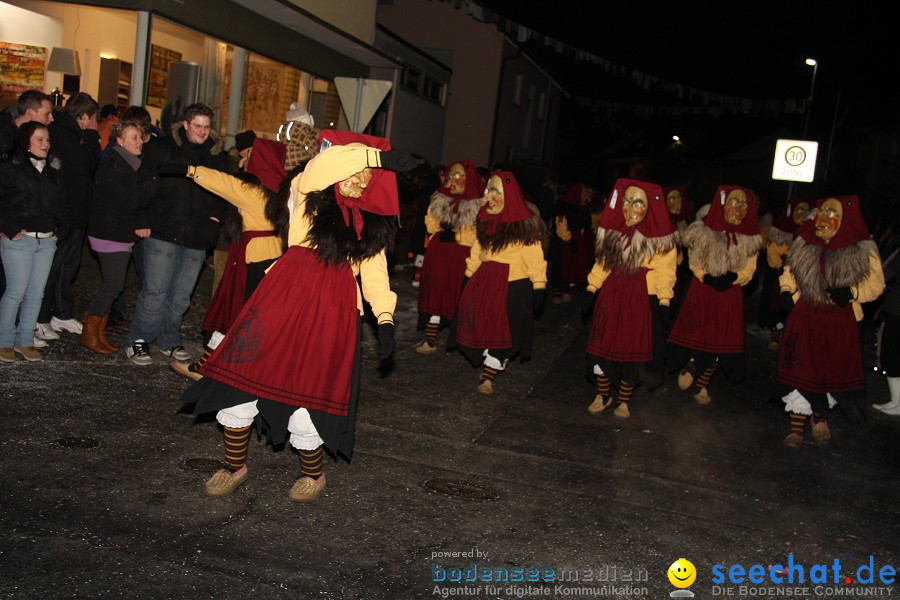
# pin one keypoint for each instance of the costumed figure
(506, 277)
(780, 236)
(572, 247)
(832, 268)
(291, 360)
(450, 223)
(253, 242)
(630, 287)
(679, 207)
(709, 330)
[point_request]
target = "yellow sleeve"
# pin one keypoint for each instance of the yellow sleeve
(775, 254)
(562, 228)
(466, 236)
(432, 225)
(474, 260)
(787, 283)
(872, 286)
(336, 164)
(376, 287)
(746, 273)
(661, 276)
(230, 188)
(535, 265)
(596, 277)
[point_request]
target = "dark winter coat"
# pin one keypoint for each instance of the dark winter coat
(182, 212)
(120, 200)
(8, 131)
(79, 152)
(31, 200)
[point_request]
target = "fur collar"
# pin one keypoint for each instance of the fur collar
(213, 143)
(442, 210)
(714, 254)
(335, 242)
(845, 267)
(616, 251)
(780, 237)
(528, 231)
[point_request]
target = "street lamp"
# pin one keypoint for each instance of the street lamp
(812, 87)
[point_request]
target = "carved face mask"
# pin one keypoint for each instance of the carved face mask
(634, 205)
(456, 179)
(828, 219)
(800, 212)
(355, 185)
(673, 202)
(493, 196)
(586, 196)
(735, 207)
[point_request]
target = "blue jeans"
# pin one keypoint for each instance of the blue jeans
(26, 262)
(169, 273)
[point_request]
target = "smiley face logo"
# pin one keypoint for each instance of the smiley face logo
(682, 573)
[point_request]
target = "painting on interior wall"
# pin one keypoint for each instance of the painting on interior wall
(159, 74)
(268, 93)
(21, 68)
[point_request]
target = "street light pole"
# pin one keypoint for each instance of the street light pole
(812, 88)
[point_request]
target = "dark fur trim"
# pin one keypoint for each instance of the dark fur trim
(713, 253)
(465, 215)
(612, 254)
(335, 242)
(777, 236)
(277, 211)
(530, 231)
(846, 267)
(179, 136)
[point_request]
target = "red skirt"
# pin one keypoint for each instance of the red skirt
(294, 340)
(231, 293)
(441, 280)
(577, 261)
(710, 321)
(482, 321)
(622, 327)
(820, 350)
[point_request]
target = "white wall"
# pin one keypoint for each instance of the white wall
(21, 26)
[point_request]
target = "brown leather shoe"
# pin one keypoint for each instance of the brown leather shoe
(426, 347)
(189, 370)
(101, 333)
(90, 335)
(793, 440)
(599, 404)
(7, 355)
(486, 388)
(622, 411)
(29, 353)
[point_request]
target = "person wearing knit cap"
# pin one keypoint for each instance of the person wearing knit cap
(780, 236)
(630, 287)
(574, 240)
(709, 330)
(506, 276)
(832, 268)
(450, 223)
(291, 361)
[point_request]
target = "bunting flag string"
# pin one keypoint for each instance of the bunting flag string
(710, 102)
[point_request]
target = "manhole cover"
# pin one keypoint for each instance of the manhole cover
(460, 489)
(202, 464)
(78, 442)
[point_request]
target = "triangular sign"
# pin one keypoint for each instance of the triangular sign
(360, 99)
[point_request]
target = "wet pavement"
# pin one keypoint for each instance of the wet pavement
(101, 484)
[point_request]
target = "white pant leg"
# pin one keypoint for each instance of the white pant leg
(303, 433)
(238, 416)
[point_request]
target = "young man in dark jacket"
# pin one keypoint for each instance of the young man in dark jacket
(184, 224)
(75, 141)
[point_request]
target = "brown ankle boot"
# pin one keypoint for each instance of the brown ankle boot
(101, 333)
(90, 336)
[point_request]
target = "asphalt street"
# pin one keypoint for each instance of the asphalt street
(449, 494)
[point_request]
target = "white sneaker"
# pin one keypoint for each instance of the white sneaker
(43, 331)
(39, 343)
(71, 325)
(139, 353)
